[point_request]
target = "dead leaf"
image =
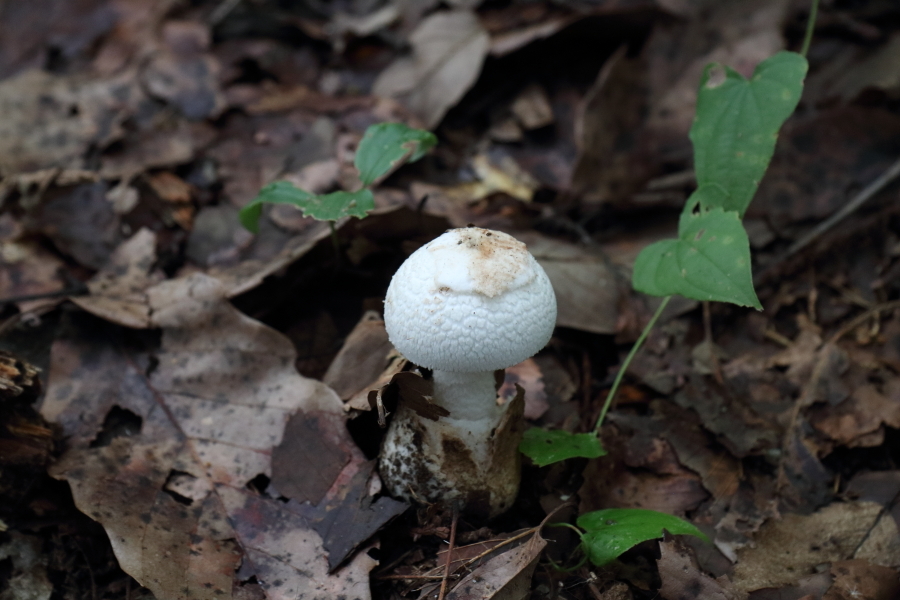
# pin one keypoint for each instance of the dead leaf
(81, 222)
(859, 420)
(51, 120)
(785, 550)
(859, 580)
(525, 376)
(851, 72)
(118, 291)
(27, 31)
(211, 410)
(504, 577)
(287, 556)
(588, 291)
(349, 515)
(448, 49)
(682, 580)
(27, 269)
(361, 359)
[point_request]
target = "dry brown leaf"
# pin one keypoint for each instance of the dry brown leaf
(118, 291)
(790, 548)
(504, 577)
(588, 290)
(52, 120)
(361, 359)
(26, 268)
(682, 580)
(81, 222)
(448, 49)
(858, 421)
(211, 410)
(859, 580)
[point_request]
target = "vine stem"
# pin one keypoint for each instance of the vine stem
(810, 27)
(637, 346)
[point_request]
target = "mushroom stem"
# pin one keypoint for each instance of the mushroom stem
(468, 396)
(470, 457)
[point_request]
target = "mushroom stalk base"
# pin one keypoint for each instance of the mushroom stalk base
(473, 462)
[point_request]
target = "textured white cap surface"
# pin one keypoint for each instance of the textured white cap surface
(470, 300)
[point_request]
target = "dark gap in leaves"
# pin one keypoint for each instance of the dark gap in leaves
(171, 480)
(760, 464)
(366, 433)
(849, 461)
(259, 484)
(252, 72)
(152, 364)
(119, 422)
(6, 569)
(374, 553)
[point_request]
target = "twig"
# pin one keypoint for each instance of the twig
(707, 335)
(446, 576)
(860, 319)
(870, 190)
(221, 11)
(81, 290)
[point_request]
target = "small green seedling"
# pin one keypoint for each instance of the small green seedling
(610, 532)
(383, 149)
(733, 134)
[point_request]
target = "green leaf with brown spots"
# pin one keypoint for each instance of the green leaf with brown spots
(737, 123)
(710, 260)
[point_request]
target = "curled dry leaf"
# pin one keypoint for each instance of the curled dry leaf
(212, 406)
(448, 49)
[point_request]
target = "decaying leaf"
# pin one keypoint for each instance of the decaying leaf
(682, 580)
(50, 120)
(588, 289)
(787, 549)
(504, 577)
(859, 580)
(361, 359)
(211, 409)
(118, 291)
(448, 49)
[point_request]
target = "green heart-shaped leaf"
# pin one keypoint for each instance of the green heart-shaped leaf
(737, 123)
(710, 260)
(546, 447)
(385, 146)
(610, 532)
(323, 207)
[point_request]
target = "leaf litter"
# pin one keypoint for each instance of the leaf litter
(136, 130)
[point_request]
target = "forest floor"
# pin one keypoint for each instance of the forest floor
(184, 404)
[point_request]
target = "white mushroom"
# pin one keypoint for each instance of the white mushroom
(464, 305)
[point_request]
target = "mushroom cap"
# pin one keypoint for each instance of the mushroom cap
(470, 300)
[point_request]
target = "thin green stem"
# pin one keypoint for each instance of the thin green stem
(569, 525)
(628, 359)
(810, 27)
